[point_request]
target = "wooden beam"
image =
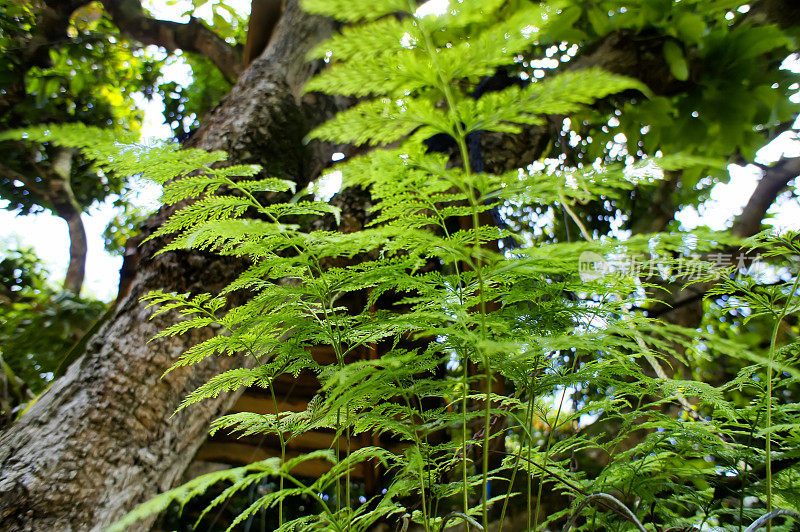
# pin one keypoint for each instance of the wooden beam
(243, 453)
(308, 441)
(260, 401)
(227, 449)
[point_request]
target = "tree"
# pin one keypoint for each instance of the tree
(103, 433)
(87, 78)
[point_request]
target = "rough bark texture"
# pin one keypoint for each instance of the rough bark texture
(102, 439)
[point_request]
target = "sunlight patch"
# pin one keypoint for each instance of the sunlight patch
(432, 7)
(327, 185)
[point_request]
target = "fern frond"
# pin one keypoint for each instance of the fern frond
(193, 488)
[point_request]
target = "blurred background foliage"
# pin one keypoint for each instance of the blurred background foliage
(39, 323)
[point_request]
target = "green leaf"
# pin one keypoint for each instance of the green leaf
(676, 60)
(350, 11)
(189, 490)
(690, 27)
(599, 20)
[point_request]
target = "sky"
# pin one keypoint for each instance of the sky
(48, 235)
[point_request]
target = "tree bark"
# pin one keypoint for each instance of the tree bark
(78, 246)
(103, 438)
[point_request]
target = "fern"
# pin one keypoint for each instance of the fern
(490, 360)
(240, 477)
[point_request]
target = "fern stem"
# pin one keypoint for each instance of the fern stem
(317, 498)
(421, 473)
(770, 363)
(465, 390)
(464, 362)
(283, 455)
(768, 447)
(338, 479)
(610, 498)
(575, 218)
(481, 295)
(747, 466)
(469, 192)
(553, 428)
(347, 471)
(516, 462)
(530, 477)
(468, 189)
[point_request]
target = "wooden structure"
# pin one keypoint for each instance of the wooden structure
(291, 394)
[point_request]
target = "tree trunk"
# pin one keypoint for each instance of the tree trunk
(63, 201)
(76, 271)
(103, 438)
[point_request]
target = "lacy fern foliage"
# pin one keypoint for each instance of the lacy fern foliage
(460, 352)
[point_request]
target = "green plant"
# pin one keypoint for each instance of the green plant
(774, 301)
(38, 325)
(468, 334)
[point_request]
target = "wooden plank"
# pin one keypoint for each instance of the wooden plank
(232, 451)
(242, 453)
(308, 441)
(260, 401)
(237, 454)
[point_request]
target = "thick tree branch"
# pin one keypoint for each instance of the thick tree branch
(193, 36)
(54, 18)
(55, 191)
(51, 26)
(784, 13)
(775, 179)
(623, 53)
(65, 206)
(773, 182)
(61, 200)
(731, 486)
(49, 479)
